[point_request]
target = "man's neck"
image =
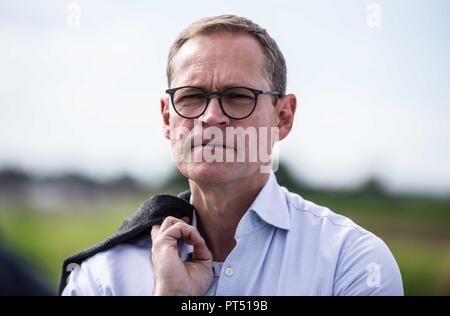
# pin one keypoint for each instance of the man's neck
(220, 208)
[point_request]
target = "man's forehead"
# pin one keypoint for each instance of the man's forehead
(222, 79)
(230, 60)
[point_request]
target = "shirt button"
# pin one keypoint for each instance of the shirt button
(229, 271)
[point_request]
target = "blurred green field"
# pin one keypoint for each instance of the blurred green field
(416, 230)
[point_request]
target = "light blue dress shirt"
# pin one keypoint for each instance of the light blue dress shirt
(285, 245)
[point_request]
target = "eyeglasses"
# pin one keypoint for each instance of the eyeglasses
(236, 102)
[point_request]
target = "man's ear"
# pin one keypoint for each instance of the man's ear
(165, 113)
(285, 110)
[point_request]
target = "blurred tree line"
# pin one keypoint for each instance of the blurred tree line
(67, 212)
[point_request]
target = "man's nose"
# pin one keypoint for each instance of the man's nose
(213, 114)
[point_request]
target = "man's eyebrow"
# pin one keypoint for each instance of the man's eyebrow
(224, 87)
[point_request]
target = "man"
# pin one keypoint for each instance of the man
(247, 235)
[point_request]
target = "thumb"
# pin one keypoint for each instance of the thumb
(155, 231)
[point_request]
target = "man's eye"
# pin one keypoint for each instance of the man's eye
(194, 96)
(191, 97)
(238, 96)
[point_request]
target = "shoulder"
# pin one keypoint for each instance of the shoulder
(310, 216)
(364, 265)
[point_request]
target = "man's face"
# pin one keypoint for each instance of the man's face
(213, 63)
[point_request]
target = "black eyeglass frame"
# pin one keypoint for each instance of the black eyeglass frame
(219, 95)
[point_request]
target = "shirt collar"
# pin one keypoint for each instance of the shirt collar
(270, 204)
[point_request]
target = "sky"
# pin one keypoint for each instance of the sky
(80, 83)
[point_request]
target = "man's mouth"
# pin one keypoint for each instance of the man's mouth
(211, 143)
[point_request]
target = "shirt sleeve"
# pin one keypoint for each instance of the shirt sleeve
(367, 267)
(83, 282)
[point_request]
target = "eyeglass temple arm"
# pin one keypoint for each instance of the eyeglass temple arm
(275, 94)
(270, 92)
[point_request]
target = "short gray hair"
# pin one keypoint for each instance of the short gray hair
(275, 64)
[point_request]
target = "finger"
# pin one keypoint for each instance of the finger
(192, 236)
(201, 252)
(168, 222)
(180, 230)
(155, 231)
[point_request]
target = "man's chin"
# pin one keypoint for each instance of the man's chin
(211, 168)
(212, 172)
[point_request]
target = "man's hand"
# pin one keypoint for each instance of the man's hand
(172, 275)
